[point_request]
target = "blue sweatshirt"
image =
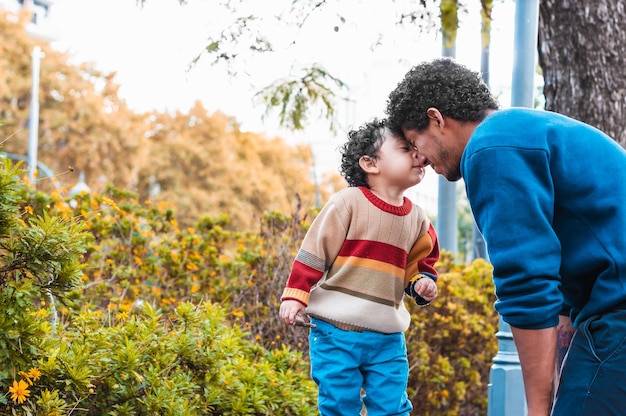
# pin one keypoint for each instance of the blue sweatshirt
(549, 195)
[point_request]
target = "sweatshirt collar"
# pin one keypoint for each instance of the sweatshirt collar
(401, 210)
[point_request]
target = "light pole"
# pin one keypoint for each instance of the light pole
(33, 122)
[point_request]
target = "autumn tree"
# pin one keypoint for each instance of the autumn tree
(582, 53)
(203, 164)
(209, 166)
(82, 122)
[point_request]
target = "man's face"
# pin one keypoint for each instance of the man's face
(437, 150)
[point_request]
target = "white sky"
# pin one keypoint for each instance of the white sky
(150, 50)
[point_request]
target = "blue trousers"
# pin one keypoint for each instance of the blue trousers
(593, 378)
(344, 362)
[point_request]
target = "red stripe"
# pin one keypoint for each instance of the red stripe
(303, 277)
(374, 250)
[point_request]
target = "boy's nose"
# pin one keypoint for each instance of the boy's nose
(423, 161)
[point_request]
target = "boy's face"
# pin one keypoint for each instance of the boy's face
(398, 163)
(439, 146)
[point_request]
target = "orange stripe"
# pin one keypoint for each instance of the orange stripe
(380, 266)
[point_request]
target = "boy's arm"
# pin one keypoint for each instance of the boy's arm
(420, 265)
(320, 247)
(423, 256)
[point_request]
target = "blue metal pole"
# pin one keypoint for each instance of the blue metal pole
(505, 396)
(447, 227)
(524, 53)
(506, 387)
(447, 215)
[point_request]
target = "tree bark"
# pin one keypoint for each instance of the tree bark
(582, 50)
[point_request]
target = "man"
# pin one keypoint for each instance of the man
(548, 194)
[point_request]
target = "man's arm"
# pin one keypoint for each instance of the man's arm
(537, 355)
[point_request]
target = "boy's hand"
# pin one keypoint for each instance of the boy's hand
(288, 311)
(426, 288)
(422, 288)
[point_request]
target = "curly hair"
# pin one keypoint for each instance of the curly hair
(365, 141)
(444, 84)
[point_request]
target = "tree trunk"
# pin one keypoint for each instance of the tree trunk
(582, 50)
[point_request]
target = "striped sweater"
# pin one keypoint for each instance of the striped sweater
(358, 257)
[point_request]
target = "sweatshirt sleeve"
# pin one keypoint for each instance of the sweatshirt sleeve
(511, 194)
(423, 256)
(318, 251)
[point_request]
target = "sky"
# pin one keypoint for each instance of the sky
(150, 50)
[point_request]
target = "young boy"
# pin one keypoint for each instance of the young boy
(368, 246)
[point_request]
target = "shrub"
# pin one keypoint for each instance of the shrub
(39, 263)
(114, 346)
(118, 311)
(145, 363)
(452, 342)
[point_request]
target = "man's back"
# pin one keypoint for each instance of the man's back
(548, 193)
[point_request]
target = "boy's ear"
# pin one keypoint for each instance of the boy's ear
(368, 164)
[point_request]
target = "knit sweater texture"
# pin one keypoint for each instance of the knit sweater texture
(549, 195)
(357, 258)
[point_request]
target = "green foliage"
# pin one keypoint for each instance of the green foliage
(119, 311)
(188, 363)
(449, 21)
(47, 249)
(8, 203)
(294, 98)
(127, 342)
(39, 261)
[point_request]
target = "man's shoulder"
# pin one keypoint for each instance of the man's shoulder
(512, 127)
(516, 115)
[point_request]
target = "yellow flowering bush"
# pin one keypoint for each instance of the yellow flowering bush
(451, 343)
(40, 261)
(119, 311)
(112, 329)
(191, 362)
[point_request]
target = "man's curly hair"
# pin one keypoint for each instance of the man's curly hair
(365, 141)
(444, 84)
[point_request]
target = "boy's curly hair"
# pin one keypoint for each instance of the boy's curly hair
(365, 141)
(444, 84)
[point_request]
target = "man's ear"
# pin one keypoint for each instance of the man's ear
(436, 116)
(368, 164)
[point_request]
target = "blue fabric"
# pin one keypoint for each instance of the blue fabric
(594, 371)
(343, 362)
(549, 195)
